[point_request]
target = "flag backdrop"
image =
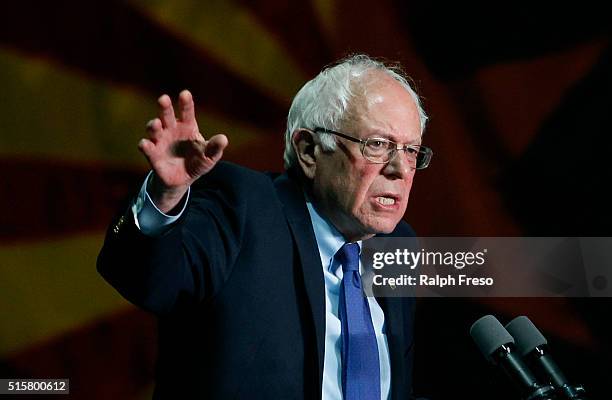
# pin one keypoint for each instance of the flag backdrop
(520, 122)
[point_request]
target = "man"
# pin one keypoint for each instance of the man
(256, 279)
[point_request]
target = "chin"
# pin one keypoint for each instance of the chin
(374, 223)
(385, 226)
(386, 229)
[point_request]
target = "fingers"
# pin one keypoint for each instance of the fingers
(154, 129)
(147, 148)
(215, 146)
(166, 112)
(186, 106)
(154, 125)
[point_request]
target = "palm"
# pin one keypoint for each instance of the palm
(176, 159)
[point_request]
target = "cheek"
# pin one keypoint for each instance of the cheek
(348, 185)
(335, 186)
(364, 188)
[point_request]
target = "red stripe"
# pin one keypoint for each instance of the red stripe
(51, 198)
(112, 358)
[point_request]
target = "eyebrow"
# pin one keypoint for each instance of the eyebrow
(376, 133)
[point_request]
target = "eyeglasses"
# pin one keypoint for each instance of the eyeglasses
(382, 151)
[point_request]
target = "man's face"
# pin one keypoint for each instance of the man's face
(359, 197)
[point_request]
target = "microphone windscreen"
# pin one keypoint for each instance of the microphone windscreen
(526, 335)
(489, 335)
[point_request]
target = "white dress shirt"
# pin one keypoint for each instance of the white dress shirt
(329, 241)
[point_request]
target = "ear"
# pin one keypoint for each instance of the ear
(304, 144)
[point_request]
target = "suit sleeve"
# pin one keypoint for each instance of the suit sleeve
(190, 262)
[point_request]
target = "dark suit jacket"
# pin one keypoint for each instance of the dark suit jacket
(238, 287)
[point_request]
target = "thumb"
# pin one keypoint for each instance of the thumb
(215, 146)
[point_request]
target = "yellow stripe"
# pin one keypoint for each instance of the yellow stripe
(234, 37)
(326, 12)
(49, 288)
(50, 112)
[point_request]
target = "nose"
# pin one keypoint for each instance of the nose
(401, 166)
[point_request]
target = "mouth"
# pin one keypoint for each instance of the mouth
(387, 200)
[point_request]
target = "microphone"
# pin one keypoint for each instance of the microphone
(532, 345)
(497, 345)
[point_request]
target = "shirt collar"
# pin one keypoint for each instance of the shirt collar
(329, 239)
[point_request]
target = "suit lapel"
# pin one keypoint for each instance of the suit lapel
(399, 313)
(394, 327)
(292, 197)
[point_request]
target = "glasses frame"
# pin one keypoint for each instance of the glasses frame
(424, 150)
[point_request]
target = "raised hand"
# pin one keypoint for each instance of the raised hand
(177, 151)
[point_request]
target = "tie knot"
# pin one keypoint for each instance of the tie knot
(348, 256)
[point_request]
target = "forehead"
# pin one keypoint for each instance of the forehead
(383, 107)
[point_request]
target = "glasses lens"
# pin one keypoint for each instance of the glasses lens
(419, 156)
(381, 151)
(378, 150)
(423, 157)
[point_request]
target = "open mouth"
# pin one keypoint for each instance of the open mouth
(387, 200)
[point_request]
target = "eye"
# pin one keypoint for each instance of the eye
(412, 150)
(377, 144)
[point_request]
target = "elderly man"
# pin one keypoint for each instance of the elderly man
(256, 279)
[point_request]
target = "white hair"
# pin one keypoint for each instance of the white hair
(323, 101)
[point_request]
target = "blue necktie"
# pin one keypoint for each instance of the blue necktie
(360, 364)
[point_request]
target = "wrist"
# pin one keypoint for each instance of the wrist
(165, 197)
